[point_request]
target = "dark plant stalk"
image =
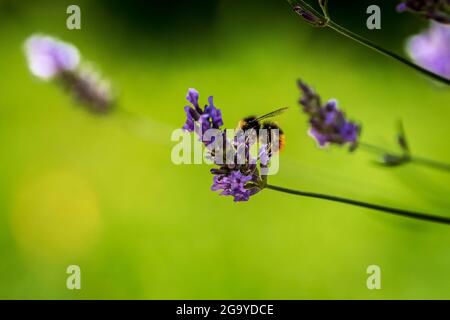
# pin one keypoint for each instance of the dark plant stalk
(327, 22)
(373, 148)
(395, 211)
(388, 53)
(431, 163)
(405, 158)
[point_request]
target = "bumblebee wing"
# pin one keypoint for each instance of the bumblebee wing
(271, 114)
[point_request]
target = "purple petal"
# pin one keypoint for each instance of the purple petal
(48, 56)
(189, 124)
(320, 138)
(431, 49)
(192, 97)
(401, 7)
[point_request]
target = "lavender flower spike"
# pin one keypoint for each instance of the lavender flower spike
(238, 173)
(431, 49)
(51, 59)
(437, 10)
(208, 118)
(328, 124)
(233, 183)
(242, 180)
(48, 57)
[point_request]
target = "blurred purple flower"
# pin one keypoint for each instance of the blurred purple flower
(48, 57)
(51, 59)
(89, 89)
(437, 10)
(328, 124)
(431, 49)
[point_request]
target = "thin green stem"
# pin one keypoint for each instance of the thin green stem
(327, 22)
(305, 5)
(400, 212)
(324, 6)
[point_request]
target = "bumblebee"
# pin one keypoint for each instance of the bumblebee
(255, 123)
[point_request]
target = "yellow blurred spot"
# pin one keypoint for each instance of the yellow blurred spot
(55, 215)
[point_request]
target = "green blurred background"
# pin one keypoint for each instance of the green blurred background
(102, 192)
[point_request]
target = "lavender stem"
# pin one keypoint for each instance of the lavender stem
(347, 33)
(395, 211)
(388, 53)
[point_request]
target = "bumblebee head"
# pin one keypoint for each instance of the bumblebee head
(249, 123)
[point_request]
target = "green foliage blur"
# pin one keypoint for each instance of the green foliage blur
(102, 192)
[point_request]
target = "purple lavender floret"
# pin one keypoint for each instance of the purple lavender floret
(328, 124)
(48, 57)
(309, 16)
(208, 118)
(431, 49)
(437, 10)
(241, 180)
(233, 182)
(214, 114)
(264, 155)
(192, 96)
